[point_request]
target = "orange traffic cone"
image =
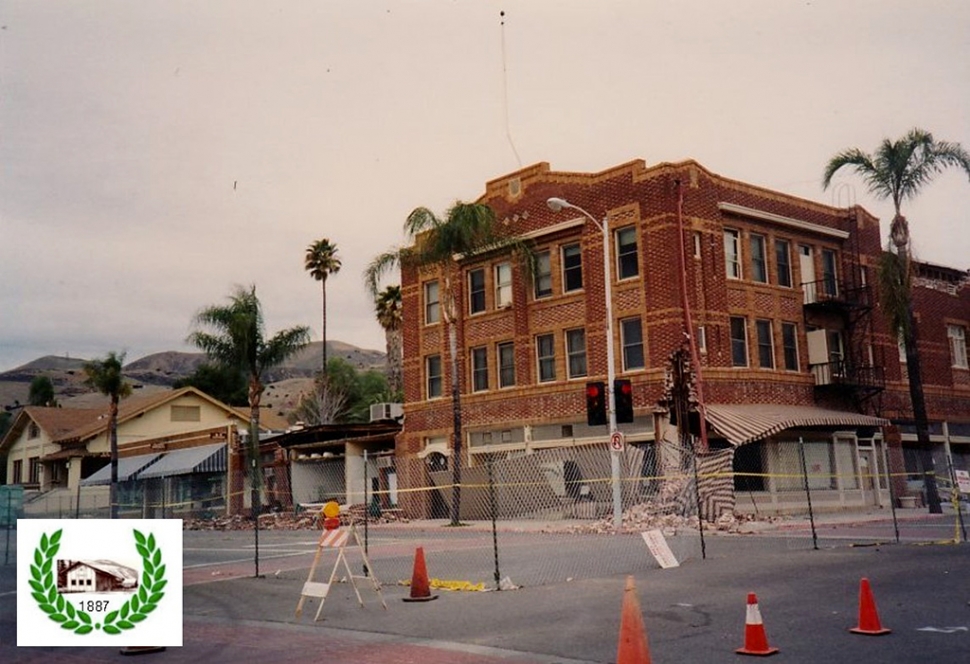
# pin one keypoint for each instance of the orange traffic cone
(868, 616)
(420, 588)
(632, 647)
(755, 638)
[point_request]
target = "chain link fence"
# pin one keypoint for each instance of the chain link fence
(797, 493)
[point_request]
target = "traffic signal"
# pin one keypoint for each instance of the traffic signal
(596, 404)
(623, 400)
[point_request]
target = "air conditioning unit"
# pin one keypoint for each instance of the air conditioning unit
(386, 411)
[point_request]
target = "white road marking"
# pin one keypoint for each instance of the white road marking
(945, 630)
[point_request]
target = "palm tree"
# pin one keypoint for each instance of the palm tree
(898, 170)
(106, 377)
(321, 261)
(388, 307)
(237, 341)
(467, 229)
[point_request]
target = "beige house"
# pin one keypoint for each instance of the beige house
(51, 451)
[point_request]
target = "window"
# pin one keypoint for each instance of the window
(829, 274)
(739, 342)
(836, 352)
(732, 253)
(33, 470)
(576, 353)
(479, 369)
(631, 336)
(766, 351)
(18, 471)
(432, 367)
(543, 277)
(901, 345)
(546, 357)
(697, 244)
(186, 413)
(33, 431)
(627, 260)
(503, 285)
(759, 262)
(572, 267)
(701, 339)
(789, 345)
(506, 364)
(476, 291)
(783, 259)
(958, 345)
(432, 307)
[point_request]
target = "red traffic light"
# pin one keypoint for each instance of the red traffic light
(595, 404)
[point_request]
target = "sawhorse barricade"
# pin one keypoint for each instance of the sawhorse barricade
(339, 539)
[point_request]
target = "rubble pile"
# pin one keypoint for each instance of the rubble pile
(651, 516)
(289, 520)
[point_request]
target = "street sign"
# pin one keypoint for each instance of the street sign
(617, 441)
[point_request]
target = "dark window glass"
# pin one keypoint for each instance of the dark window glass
(572, 267)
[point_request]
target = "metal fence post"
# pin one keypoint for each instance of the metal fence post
(808, 492)
(493, 508)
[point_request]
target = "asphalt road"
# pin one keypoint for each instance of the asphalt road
(694, 613)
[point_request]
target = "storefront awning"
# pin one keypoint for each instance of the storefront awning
(744, 423)
(127, 467)
(203, 459)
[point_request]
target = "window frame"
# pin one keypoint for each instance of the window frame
(432, 379)
(542, 282)
(732, 254)
(766, 346)
(574, 354)
(478, 358)
(432, 307)
(547, 361)
(625, 256)
(503, 287)
(17, 472)
(785, 347)
(570, 271)
(626, 346)
(958, 345)
(477, 300)
(784, 266)
(757, 244)
(742, 340)
(830, 278)
(504, 366)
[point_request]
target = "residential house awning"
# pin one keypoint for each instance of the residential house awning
(127, 468)
(744, 423)
(202, 459)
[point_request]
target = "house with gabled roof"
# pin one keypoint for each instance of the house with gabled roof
(64, 453)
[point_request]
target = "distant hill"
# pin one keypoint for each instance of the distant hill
(161, 370)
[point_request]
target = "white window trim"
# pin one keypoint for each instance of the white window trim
(734, 235)
(501, 286)
(958, 345)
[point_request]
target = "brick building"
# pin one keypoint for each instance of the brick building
(791, 346)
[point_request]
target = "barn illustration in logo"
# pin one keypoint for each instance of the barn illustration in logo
(95, 576)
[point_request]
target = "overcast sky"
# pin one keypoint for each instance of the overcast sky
(156, 153)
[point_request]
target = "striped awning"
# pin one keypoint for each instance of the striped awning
(128, 468)
(744, 423)
(202, 459)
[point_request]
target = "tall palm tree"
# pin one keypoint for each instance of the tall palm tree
(897, 170)
(321, 261)
(106, 377)
(237, 340)
(388, 307)
(467, 229)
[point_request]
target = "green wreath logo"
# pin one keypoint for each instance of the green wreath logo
(132, 612)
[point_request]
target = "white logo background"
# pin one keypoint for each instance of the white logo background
(100, 539)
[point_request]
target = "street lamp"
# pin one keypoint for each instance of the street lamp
(556, 205)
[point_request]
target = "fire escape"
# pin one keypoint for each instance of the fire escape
(847, 366)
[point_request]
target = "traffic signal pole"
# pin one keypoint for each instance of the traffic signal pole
(557, 204)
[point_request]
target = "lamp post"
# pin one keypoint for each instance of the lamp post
(556, 205)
